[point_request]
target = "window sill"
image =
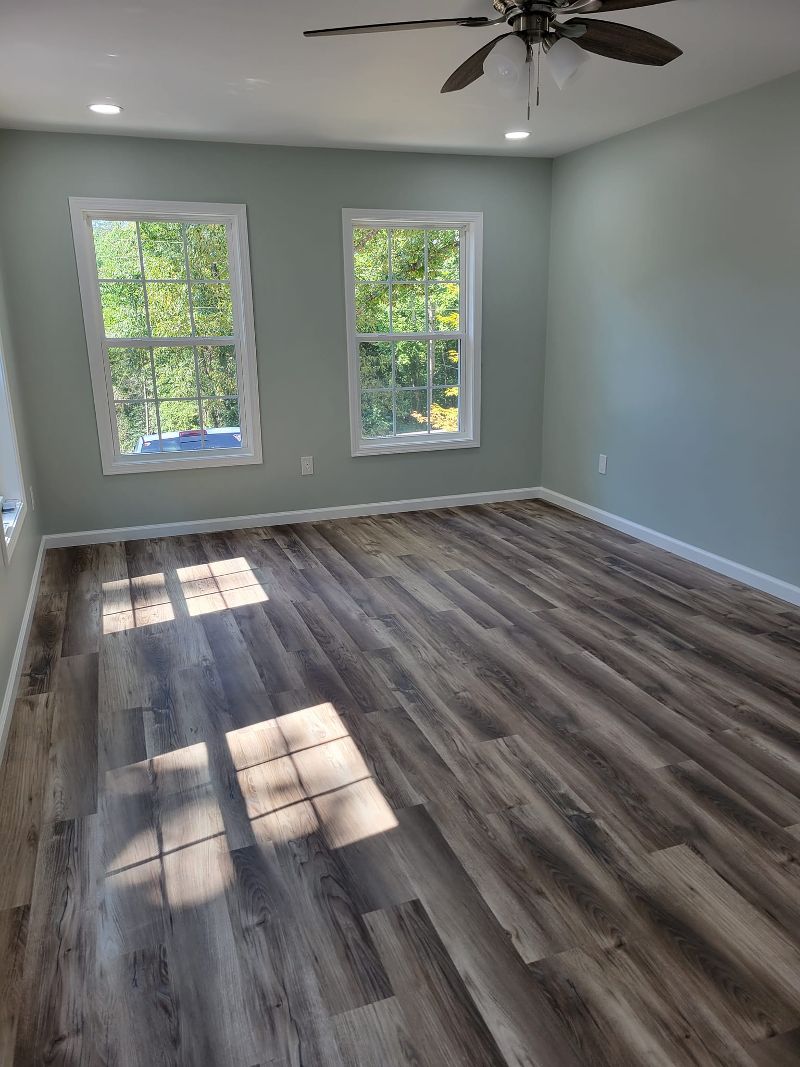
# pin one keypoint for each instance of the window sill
(12, 527)
(189, 461)
(393, 445)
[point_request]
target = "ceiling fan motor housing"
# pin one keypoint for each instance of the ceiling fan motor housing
(530, 19)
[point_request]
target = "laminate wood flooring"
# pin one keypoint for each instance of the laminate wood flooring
(489, 786)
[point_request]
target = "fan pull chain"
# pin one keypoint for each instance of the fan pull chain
(539, 77)
(530, 73)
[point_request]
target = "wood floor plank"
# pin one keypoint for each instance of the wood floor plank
(488, 855)
(783, 1050)
(754, 948)
(443, 1018)
(138, 1011)
(212, 1023)
(44, 643)
(347, 966)
(13, 938)
(131, 906)
(515, 1013)
(22, 775)
(623, 1010)
(71, 789)
(376, 1033)
(282, 994)
(57, 1016)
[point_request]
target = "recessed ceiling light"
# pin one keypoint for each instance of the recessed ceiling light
(105, 109)
(517, 135)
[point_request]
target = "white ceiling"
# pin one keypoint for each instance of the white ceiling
(240, 70)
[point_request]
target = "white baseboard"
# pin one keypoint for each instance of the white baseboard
(738, 572)
(18, 659)
(283, 518)
(766, 583)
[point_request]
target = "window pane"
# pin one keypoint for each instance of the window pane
(443, 307)
(412, 411)
(408, 255)
(376, 414)
(169, 309)
(443, 255)
(207, 245)
(408, 308)
(123, 309)
(175, 374)
(371, 254)
(213, 310)
(131, 375)
(411, 360)
(180, 425)
(372, 309)
(218, 371)
(162, 249)
(445, 362)
(376, 365)
(444, 410)
(137, 428)
(221, 424)
(116, 249)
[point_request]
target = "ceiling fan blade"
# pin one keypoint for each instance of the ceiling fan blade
(589, 7)
(626, 43)
(382, 27)
(471, 69)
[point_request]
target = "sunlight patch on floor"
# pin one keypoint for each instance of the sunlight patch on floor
(204, 588)
(298, 775)
(316, 780)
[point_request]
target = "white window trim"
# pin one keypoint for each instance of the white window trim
(234, 216)
(471, 288)
(9, 538)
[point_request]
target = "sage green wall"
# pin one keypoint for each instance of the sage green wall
(674, 328)
(294, 199)
(15, 579)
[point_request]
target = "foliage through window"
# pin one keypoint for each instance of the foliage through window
(169, 324)
(413, 310)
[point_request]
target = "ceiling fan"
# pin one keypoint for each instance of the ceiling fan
(537, 24)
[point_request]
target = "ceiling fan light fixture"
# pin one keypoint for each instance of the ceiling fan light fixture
(505, 65)
(517, 135)
(564, 60)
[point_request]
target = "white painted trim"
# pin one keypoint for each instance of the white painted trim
(234, 217)
(11, 481)
(18, 658)
(283, 518)
(8, 545)
(766, 583)
(469, 336)
(738, 572)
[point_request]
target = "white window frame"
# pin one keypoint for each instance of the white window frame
(10, 467)
(469, 336)
(234, 216)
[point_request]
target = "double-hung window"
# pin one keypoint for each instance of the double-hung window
(413, 296)
(167, 304)
(13, 505)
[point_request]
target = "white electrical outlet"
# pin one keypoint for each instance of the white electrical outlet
(602, 466)
(306, 465)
